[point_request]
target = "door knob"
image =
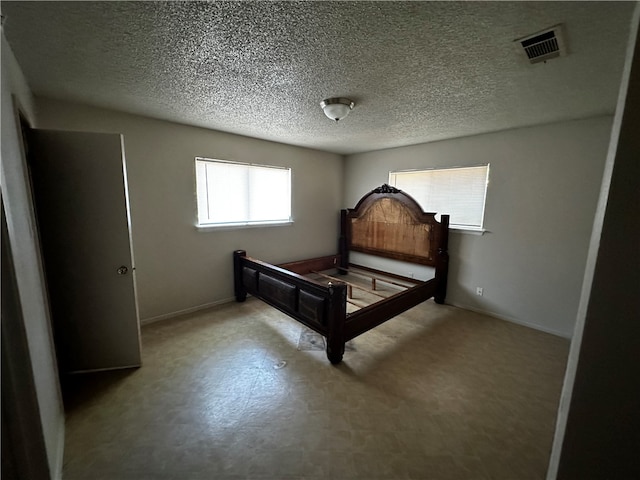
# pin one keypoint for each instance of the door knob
(122, 270)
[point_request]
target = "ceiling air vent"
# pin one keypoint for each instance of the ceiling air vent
(544, 45)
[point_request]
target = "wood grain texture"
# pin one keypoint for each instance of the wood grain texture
(388, 226)
(389, 223)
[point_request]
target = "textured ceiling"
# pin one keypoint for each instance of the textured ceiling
(418, 71)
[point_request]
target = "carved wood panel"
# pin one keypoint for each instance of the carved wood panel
(388, 226)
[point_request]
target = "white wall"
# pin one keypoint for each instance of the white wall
(24, 246)
(178, 267)
(541, 200)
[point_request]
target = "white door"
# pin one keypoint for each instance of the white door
(82, 209)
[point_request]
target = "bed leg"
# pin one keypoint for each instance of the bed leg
(337, 319)
(238, 286)
(335, 356)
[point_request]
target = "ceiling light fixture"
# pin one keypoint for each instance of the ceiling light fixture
(337, 108)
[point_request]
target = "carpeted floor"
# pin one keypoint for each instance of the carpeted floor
(240, 392)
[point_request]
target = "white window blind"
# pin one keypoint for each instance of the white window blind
(242, 194)
(459, 192)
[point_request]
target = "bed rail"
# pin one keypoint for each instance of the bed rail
(373, 315)
(319, 306)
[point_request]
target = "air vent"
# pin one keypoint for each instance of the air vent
(544, 45)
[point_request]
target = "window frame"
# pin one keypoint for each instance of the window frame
(232, 225)
(476, 230)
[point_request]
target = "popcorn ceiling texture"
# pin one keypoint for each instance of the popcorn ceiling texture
(418, 71)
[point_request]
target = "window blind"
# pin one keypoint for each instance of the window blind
(235, 193)
(459, 192)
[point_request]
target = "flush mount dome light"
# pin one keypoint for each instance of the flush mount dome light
(337, 108)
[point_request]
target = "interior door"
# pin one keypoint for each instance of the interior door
(82, 209)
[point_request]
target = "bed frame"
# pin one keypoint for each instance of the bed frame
(386, 222)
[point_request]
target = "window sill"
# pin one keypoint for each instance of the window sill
(239, 226)
(468, 231)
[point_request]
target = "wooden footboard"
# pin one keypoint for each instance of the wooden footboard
(319, 306)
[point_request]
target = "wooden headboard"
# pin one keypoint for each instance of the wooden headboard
(389, 223)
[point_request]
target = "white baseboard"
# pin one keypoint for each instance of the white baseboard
(186, 311)
(540, 328)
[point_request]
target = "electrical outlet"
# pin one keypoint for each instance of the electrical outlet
(479, 291)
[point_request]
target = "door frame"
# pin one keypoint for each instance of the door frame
(23, 436)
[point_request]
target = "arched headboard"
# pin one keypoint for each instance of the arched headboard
(389, 223)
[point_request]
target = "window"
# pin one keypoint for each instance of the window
(233, 194)
(460, 192)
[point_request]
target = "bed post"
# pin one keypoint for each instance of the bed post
(343, 243)
(337, 315)
(238, 287)
(442, 261)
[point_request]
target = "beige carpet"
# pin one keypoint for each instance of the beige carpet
(437, 393)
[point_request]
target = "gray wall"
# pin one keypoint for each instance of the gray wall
(598, 428)
(180, 268)
(29, 275)
(541, 199)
